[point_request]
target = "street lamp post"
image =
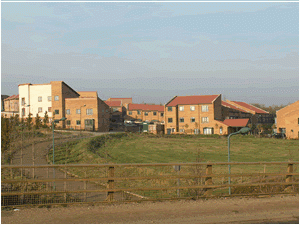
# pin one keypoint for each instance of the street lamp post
(80, 116)
(55, 121)
(244, 130)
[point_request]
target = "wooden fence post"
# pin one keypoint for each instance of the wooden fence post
(208, 180)
(289, 178)
(111, 173)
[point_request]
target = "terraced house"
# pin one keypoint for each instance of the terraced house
(11, 106)
(145, 112)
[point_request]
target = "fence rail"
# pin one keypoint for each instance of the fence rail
(81, 183)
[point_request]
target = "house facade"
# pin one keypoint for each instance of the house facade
(87, 112)
(193, 114)
(11, 106)
(287, 120)
(145, 112)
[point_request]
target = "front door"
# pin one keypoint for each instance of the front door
(169, 131)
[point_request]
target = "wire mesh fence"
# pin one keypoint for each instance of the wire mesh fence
(64, 184)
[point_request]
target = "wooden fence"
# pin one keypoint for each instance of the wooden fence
(69, 184)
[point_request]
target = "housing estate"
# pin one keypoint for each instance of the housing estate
(287, 120)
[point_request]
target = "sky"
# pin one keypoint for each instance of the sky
(154, 51)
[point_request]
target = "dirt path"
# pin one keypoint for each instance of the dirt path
(278, 209)
(41, 150)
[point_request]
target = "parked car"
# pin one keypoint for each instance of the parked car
(279, 135)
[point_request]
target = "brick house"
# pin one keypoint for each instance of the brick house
(145, 112)
(193, 114)
(87, 112)
(287, 120)
(11, 106)
(255, 114)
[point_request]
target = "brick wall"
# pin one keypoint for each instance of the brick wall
(288, 118)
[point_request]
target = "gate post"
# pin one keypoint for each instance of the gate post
(208, 180)
(289, 178)
(111, 173)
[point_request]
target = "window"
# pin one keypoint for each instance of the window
(78, 111)
(154, 114)
(205, 120)
(56, 111)
(89, 111)
(170, 120)
(192, 107)
(78, 122)
(39, 98)
(68, 122)
(139, 112)
(181, 130)
(23, 111)
(170, 109)
(181, 108)
(49, 109)
(221, 130)
(103, 110)
(181, 120)
(115, 110)
(193, 120)
(49, 98)
(204, 108)
(40, 109)
(23, 101)
(196, 131)
(146, 113)
(130, 113)
(162, 114)
(68, 112)
(56, 98)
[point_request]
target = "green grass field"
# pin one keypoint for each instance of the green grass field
(136, 148)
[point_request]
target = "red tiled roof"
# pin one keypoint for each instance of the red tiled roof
(146, 107)
(236, 122)
(251, 107)
(226, 104)
(12, 97)
(191, 100)
(113, 103)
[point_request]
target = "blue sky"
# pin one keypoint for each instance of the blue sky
(154, 51)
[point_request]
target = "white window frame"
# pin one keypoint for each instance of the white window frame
(192, 108)
(77, 122)
(49, 98)
(181, 108)
(40, 109)
(181, 118)
(56, 98)
(89, 111)
(204, 108)
(192, 119)
(78, 111)
(221, 130)
(205, 120)
(171, 119)
(181, 130)
(40, 99)
(146, 113)
(68, 111)
(154, 113)
(129, 112)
